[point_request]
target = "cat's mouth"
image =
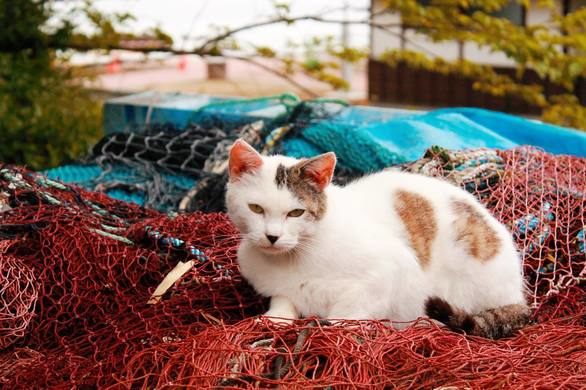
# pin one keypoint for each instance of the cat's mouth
(273, 250)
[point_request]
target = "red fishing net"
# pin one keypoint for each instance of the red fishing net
(77, 269)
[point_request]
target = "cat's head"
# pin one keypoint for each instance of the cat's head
(277, 201)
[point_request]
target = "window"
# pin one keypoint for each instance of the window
(513, 11)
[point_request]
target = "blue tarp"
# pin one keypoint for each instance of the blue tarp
(461, 128)
(521, 131)
(123, 114)
(369, 145)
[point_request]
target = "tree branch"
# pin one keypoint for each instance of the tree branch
(205, 46)
(209, 47)
(269, 69)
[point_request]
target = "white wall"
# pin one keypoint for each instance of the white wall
(382, 41)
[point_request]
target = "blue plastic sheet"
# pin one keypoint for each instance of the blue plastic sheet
(521, 131)
(123, 114)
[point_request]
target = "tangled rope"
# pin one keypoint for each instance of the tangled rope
(78, 269)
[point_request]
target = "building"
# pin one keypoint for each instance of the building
(402, 85)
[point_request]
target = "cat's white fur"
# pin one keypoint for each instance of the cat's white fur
(357, 262)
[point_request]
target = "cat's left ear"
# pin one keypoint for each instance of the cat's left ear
(319, 170)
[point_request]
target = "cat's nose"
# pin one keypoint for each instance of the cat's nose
(272, 239)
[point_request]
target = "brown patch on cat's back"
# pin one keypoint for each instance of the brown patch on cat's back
(418, 216)
(313, 199)
(472, 229)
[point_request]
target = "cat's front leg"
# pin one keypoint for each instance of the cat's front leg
(350, 309)
(282, 310)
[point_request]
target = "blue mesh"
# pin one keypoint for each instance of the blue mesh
(355, 148)
(361, 115)
(180, 180)
(299, 147)
(88, 176)
(82, 175)
(132, 197)
(231, 113)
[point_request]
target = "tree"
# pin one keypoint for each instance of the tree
(46, 117)
(43, 116)
(554, 49)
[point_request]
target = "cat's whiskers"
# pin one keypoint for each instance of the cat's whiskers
(303, 248)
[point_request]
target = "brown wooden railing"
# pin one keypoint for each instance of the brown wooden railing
(407, 86)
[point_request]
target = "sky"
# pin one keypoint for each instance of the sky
(194, 18)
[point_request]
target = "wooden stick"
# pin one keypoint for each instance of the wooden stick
(174, 275)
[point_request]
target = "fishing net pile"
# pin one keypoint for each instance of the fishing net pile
(168, 168)
(77, 270)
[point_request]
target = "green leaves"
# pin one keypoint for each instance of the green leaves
(46, 118)
(266, 52)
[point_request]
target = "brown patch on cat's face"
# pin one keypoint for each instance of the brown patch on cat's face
(480, 240)
(281, 176)
(306, 191)
(418, 216)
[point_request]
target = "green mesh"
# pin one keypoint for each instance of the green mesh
(300, 148)
(355, 149)
(308, 128)
(312, 128)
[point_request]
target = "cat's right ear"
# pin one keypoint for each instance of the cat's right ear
(243, 159)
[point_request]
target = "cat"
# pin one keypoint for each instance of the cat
(391, 245)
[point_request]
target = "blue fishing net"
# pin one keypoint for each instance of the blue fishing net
(313, 127)
(148, 188)
(171, 168)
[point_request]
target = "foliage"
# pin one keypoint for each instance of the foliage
(319, 59)
(46, 117)
(558, 58)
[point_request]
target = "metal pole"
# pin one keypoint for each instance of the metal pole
(346, 66)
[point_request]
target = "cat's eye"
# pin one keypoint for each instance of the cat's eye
(296, 213)
(256, 208)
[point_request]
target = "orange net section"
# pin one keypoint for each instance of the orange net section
(77, 269)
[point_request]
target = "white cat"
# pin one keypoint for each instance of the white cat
(391, 245)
